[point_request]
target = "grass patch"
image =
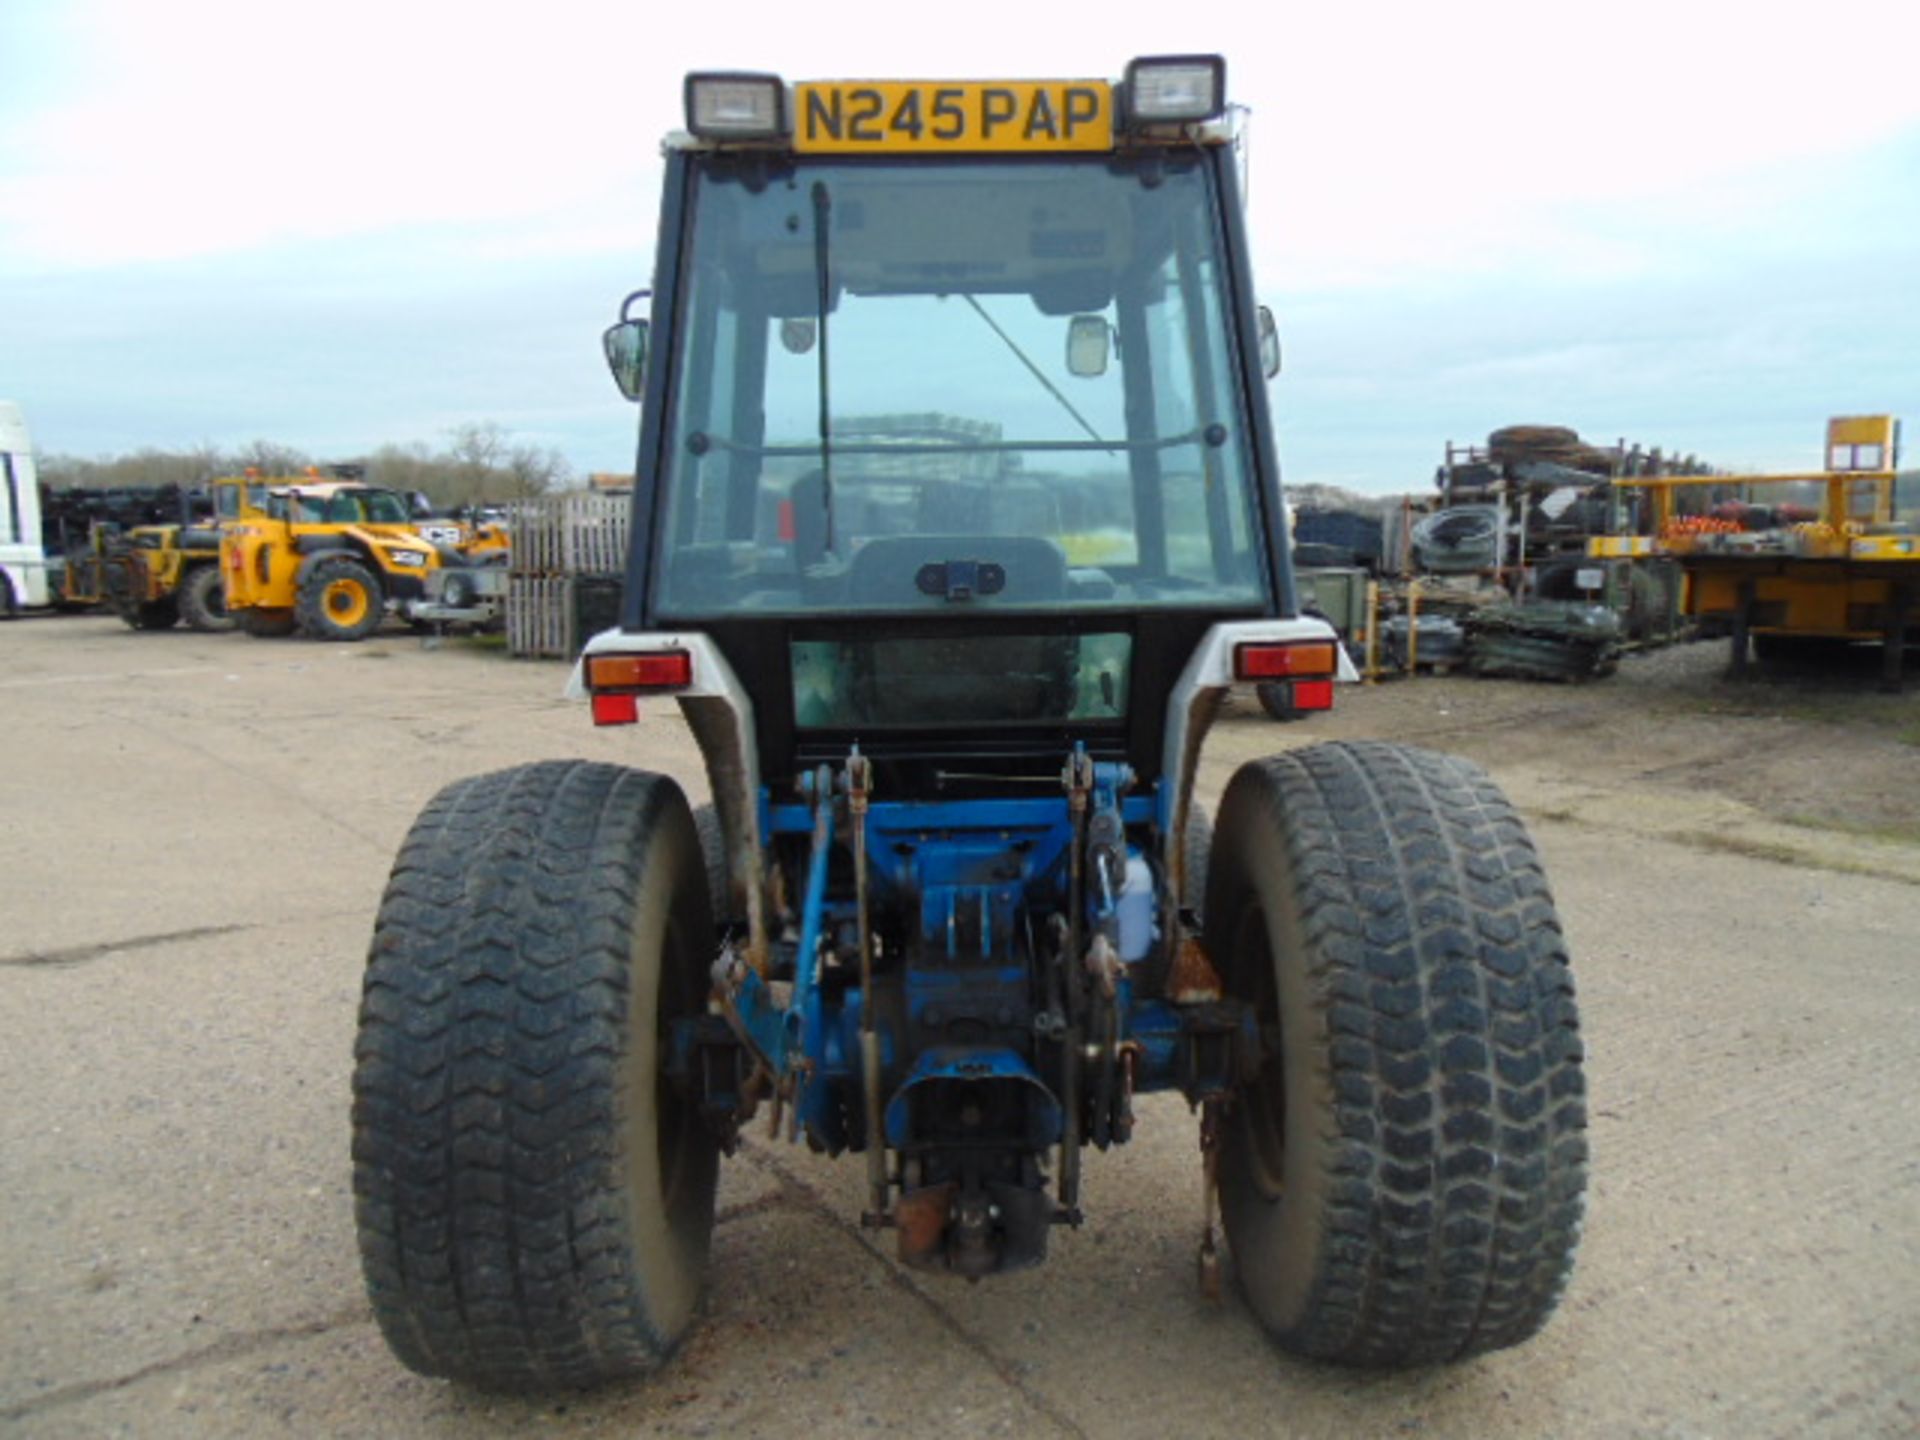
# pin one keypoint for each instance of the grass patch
(1768, 850)
(1774, 853)
(1900, 834)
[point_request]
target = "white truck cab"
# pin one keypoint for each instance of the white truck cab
(24, 581)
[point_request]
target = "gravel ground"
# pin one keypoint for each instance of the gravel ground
(197, 832)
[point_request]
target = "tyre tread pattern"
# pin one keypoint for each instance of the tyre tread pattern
(487, 1177)
(1457, 1170)
(201, 600)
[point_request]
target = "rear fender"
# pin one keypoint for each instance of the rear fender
(1195, 700)
(720, 713)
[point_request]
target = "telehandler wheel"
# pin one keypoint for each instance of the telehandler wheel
(1403, 1182)
(533, 1196)
(154, 615)
(265, 622)
(340, 600)
(203, 600)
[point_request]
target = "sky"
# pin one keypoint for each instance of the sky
(1683, 224)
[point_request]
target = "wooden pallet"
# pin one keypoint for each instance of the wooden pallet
(569, 535)
(558, 540)
(537, 616)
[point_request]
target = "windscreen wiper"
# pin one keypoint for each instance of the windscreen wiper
(1038, 374)
(822, 214)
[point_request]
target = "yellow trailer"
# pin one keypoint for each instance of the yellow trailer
(1844, 567)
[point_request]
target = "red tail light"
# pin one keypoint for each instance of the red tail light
(1263, 661)
(616, 709)
(1313, 694)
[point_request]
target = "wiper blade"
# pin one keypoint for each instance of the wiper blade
(822, 214)
(1038, 374)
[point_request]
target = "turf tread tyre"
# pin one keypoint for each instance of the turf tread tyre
(533, 1206)
(1405, 1183)
(202, 599)
(311, 609)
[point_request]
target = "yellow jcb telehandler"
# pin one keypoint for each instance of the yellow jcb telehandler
(327, 557)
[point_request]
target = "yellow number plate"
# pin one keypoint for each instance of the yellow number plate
(860, 116)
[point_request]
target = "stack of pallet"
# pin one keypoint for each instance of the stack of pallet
(568, 555)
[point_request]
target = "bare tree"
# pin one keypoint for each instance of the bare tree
(480, 463)
(146, 467)
(534, 471)
(271, 458)
(476, 451)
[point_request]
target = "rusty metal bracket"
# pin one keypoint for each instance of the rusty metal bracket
(1209, 1258)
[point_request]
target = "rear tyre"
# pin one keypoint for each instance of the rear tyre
(203, 600)
(340, 600)
(1403, 1182)
(534, 1198)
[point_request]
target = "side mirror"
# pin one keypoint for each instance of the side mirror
(1088, 340)
(1269, 344)
(626, 347)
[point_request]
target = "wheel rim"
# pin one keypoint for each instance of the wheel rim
(1263, 1100)
(345, 602)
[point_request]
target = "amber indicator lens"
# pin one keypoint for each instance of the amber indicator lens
(1282, 662)
(658, 670)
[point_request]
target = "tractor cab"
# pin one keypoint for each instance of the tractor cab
(328, 503)
(954, 435)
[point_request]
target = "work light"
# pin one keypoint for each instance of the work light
(736, 106)
(1175, 89)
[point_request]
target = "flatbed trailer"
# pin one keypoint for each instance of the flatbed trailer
(1846, 571)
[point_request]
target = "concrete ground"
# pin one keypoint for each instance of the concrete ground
(194, 833)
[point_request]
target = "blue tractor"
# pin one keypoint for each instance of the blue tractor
(957, 516)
